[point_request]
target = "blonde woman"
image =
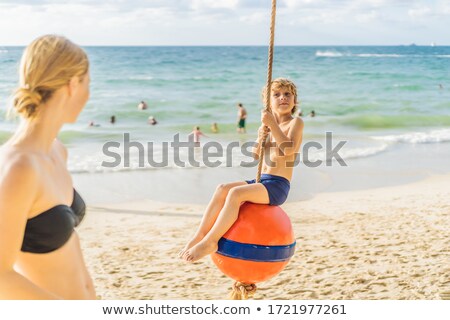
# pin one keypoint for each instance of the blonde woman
(40, 254)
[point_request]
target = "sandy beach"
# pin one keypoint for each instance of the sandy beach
(383, 243)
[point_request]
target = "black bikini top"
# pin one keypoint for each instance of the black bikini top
(51, 229)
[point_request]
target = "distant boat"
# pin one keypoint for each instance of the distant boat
(433, 44)
(413, 45)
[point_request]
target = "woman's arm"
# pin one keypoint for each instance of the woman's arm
(18, 186)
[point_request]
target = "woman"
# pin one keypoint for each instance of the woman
(40, 254)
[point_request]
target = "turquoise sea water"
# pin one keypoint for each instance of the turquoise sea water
(377, 98)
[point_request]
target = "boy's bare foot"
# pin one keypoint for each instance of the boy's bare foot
(201, 249)
(190, 244)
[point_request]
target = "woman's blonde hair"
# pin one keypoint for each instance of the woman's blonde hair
(47, 64)
(283, 83)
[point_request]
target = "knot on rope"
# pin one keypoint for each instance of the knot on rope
(242, 291)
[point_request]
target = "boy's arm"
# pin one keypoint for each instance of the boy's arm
(290, 143)
(258, 143)
(256, 149)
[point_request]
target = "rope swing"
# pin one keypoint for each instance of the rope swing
(242, 291)
(268, 86)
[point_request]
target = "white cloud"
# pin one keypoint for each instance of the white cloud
(255, 18)
(214, 4)
(443, 7)
(419, 12)
(367, 17)
(236, 21)
(299, 3)
(319, 18)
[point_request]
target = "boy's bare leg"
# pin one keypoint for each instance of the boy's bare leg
(255, 193)
(212, 211)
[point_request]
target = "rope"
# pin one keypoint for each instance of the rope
(242, 291)
(268, 86)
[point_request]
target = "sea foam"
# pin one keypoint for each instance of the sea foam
(435, 136)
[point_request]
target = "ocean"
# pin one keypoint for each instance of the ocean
(386, 102)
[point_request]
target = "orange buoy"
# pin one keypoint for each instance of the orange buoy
(257, 246)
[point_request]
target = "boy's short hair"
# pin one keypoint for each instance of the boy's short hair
(283, 83)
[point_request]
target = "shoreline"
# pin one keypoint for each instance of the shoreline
(405, 164)
(381, 243)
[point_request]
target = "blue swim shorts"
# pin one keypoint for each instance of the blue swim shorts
(277, 188)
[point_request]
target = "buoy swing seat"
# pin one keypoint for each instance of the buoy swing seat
(258, 246)
(260, 243)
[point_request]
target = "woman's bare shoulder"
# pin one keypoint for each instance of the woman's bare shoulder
(60, 149)
(17, 165)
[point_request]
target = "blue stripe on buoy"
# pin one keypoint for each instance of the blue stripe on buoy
(255, 252)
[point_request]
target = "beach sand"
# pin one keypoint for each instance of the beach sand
(384, 243)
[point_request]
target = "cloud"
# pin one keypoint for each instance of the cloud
(255, 18)
(443, 7)
(236, 21)
(420, 12)
(371, 16)
(214, 4)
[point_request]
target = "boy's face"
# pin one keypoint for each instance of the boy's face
(282, 100)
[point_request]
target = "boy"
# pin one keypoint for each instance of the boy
(283, 143)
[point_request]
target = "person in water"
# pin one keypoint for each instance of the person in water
(242, 116)
(93, 124)
(40, 251)
(214, 128)
(142, 105)
(283, 143)
(152, 121)
(196, 134)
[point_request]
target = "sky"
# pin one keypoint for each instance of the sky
(227, 22)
